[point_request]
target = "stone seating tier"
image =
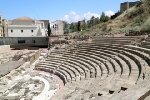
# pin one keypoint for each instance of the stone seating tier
(123, 64)
(104, 67)
(70, 75)
(145, 43)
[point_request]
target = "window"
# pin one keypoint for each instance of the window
(11, 31)
(21, 41)
(32, 31)
(21, 31)
(33, 41)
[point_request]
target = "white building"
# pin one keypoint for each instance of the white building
(26, 27)
(57, 27)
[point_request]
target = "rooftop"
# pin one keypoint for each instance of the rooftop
(24, 18)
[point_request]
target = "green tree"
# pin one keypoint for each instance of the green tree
(73, 27)
(66, 31)
(49, 30)
(84, 25)
(97, 20)
(88, 24)
(92, 21)
(65, 28)
(65, 25)
(104, 18)
(3, 31)
(76, 26)
(79, 26)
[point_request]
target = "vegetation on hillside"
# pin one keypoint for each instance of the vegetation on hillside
(136, 18)
(87, 25)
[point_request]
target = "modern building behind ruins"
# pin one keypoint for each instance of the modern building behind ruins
(126, 5)
(26, 27)
(57, 27)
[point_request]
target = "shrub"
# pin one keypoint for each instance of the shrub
(83, 32)
(123, 26)
(138, 4)
(104, 27)
(135, 13)
(110, 29)
(147, 4)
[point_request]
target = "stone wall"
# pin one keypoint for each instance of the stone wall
(26, 41)
(126, 5)
(1, 27)
(34, 56)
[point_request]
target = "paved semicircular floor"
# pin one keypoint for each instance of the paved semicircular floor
(36, 85)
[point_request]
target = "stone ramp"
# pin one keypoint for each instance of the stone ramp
(5, 68)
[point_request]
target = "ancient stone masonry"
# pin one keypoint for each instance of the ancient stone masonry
(126, 5)
(33, 56)
(89, 67)
(105, 67)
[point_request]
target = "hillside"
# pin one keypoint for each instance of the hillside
(136, 18)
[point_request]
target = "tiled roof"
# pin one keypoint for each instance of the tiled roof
(24, 18)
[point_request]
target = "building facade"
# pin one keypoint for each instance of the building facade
(25, 27)
(57, 27)
(45, 24)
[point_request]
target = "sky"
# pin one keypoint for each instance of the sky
(67, 10)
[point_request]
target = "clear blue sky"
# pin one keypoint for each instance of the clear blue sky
(55, 9)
